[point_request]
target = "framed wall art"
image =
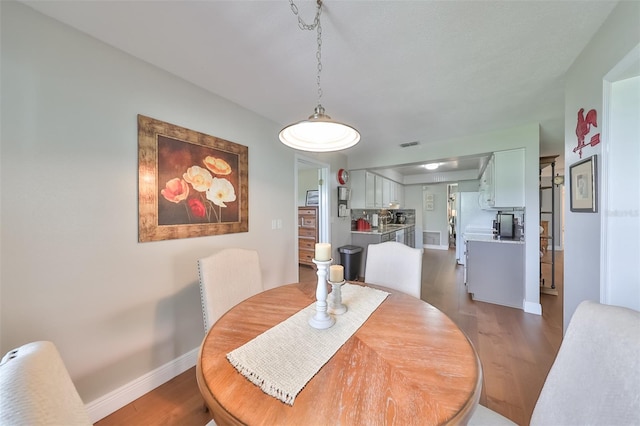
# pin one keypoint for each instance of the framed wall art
(583, 177)
(313, 198)
(189, 184)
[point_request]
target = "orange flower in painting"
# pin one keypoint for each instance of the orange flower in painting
(175, 190)
(199, 178)
(217, 165)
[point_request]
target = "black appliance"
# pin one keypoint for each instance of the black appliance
(504, 226)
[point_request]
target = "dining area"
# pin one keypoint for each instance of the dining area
(438, 359)
(327, 351)
(387, 358)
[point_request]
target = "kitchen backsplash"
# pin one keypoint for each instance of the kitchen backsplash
(376, 216)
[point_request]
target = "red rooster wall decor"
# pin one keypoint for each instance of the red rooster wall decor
(584, 127)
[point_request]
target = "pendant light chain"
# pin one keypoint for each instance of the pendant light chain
(310, 27)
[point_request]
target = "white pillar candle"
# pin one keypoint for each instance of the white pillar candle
(336, 273)
(323, 251)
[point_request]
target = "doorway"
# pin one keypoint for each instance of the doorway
(312, 175)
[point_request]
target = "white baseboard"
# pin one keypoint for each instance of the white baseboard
(113, 401)
(435, 247)
(533, 308)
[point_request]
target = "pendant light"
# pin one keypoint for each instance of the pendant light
(318, 133)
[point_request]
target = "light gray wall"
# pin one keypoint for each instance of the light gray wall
(413, 200)
(584, 86)
(436, 219)
(307, 180)
(72, 269)
(469, 186)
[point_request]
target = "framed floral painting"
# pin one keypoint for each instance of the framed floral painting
(189, 184)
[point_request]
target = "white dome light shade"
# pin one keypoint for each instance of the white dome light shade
(431, 166)
(319, 134)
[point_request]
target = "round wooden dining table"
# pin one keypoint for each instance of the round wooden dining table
(408, 364)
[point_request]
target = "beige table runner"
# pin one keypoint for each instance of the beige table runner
(284, 358)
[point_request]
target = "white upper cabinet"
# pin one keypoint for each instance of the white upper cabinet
(379, 183)
(370, 191)
(358, 185)
(502, 183)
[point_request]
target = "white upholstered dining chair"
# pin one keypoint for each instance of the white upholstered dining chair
(394, 265)
(227, 277)
(595, 378)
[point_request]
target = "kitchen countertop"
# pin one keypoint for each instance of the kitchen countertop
(490, 239)
(383, 230)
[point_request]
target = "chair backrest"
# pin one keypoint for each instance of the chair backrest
(227, 277)
(595, 379)
(36, 389)
(394, 265)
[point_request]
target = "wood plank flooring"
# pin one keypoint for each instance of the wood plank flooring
(516, 350)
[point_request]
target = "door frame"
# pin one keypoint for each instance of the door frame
(619, 72)
(324, 199)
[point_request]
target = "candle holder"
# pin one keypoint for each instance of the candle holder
(336, 305)
(322, 319)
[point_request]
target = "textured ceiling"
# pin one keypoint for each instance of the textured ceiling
(398, 71)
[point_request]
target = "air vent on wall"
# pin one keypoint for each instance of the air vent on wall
(408, 144)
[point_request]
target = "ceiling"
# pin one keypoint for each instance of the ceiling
(398, 71)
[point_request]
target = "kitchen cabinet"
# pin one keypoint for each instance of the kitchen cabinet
(377, 200)
(398, 193)
(358, 189)
(366, 190)
(495, 272)
(371, 191)
(387, 193)
(502, 183)
(410, 236)
(307, 234)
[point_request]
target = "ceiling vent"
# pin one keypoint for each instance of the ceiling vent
(408, 144)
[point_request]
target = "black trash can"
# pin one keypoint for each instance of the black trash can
(350, 258)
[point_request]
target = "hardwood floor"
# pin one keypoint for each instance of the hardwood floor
(516, 350)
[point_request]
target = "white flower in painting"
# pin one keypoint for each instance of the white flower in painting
(221, 192)
(198, 177)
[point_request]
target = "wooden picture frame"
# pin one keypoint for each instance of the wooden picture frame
(189, 184)
(583, 184)
(313, 198)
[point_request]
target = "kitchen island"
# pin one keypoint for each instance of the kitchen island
(495, 270)
(393, 232)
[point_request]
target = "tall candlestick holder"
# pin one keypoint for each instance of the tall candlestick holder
(336, 306)
(322, 319)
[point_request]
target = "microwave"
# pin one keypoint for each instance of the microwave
(504, 226)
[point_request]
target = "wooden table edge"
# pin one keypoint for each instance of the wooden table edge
(222, 417)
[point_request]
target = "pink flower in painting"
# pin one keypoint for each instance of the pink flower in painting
(221, 192)
(197, 207)
(175, 190)
(199, 178)
(217, 165)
